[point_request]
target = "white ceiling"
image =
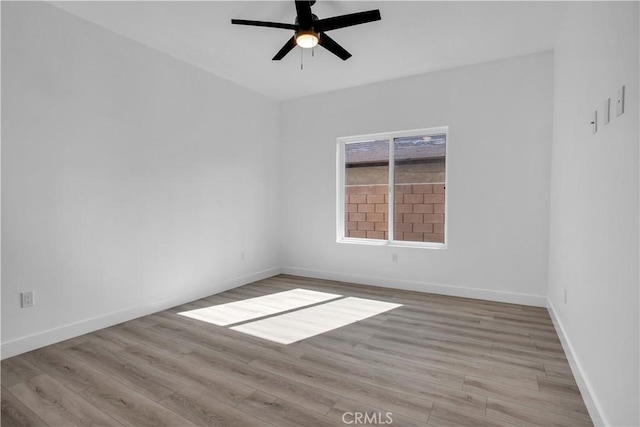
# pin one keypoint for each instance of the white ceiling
(413, 37)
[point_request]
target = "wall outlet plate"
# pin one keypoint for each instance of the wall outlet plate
(594, 122)
(607, 111)
(620, 102)
(27, 299)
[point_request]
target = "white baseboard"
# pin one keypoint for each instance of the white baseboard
(590, 400)
(52, 336)
(456, 291)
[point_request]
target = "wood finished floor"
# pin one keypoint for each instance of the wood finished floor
(436, 361)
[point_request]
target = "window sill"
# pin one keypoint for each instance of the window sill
(393, 243)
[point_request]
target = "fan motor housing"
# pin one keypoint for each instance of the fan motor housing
(313, 16)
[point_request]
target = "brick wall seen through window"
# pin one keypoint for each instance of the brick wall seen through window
(417, 171)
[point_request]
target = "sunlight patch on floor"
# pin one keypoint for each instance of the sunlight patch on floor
(253, 308)
(305, 323)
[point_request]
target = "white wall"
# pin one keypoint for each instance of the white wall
(594, 205)
(130, 181)
(499, 117)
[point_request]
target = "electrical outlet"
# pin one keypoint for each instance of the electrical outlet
(594, 122)
(394, 257)
(565, 296)
(620, 102)
(27, 299)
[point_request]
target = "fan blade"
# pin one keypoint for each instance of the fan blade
(264, 24)
(305, 18)
(347, 20)
(285, 49)
(333, 47)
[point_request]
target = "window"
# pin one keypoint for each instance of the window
(392, 188)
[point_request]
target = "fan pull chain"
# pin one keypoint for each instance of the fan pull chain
(301, 59)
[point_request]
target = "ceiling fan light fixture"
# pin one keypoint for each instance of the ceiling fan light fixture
(309, 31)
(307, 39)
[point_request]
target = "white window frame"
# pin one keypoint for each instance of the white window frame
(342, 142)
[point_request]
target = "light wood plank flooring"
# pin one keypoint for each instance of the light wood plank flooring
(434, 361)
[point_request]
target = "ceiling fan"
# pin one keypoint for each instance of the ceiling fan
(311, 31)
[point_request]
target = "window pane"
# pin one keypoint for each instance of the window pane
(419, 173)
(366, 189)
